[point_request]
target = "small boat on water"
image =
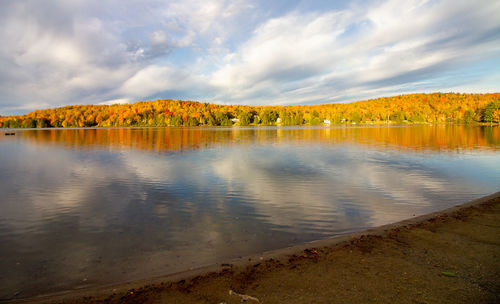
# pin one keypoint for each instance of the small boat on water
(12, 133)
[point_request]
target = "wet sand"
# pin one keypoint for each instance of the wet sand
(452, 256)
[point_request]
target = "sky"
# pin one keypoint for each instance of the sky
(281, 52)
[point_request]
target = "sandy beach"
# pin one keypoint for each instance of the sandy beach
(451, 256)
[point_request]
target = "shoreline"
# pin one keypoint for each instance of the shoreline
(240, 266)
(253, 126)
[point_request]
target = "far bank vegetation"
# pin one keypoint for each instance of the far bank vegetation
(412, 108)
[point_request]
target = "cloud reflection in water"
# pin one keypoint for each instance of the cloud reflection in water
(76, 208)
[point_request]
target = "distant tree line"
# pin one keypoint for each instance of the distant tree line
(412, 108)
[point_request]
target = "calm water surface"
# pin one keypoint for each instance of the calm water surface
(98, 206)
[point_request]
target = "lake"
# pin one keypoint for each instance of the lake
(87, 207)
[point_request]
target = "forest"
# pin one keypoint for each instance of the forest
(411, 108)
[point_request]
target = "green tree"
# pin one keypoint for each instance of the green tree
(192, 122)
(398, 116)
(468, 117)
(355, 116)
(245, 118)
(176, 121)
(489, 111)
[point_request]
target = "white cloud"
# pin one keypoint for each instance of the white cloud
(158, 37)
(154, 79)
(316, 57)
(60, 52)
(294, 43)
(116, 101)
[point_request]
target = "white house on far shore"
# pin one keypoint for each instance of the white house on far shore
(326, 121)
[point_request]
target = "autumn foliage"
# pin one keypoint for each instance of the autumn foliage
(413, 108)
